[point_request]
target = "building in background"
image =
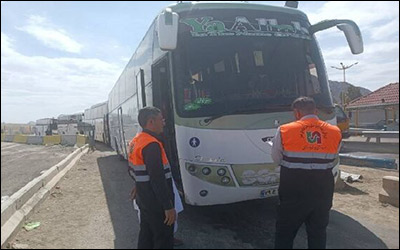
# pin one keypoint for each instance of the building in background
(68, 124)
(378, 110)
(16, 129)
(45, 126)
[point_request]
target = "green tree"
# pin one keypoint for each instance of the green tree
(352, 93)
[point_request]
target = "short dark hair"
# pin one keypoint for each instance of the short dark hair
(305, 105)
(145, 114)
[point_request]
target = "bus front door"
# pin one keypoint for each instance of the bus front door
(162, 99)
(122, 142)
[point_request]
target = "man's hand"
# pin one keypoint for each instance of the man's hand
(133, 193)
(170, 217)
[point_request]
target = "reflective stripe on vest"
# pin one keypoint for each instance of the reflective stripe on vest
(141, 175)
(136, 158)
(309, 166)
(310, 144)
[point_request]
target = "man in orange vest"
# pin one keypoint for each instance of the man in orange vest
(154, 191)
(306, 150)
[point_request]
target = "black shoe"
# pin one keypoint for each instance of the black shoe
(178, 242)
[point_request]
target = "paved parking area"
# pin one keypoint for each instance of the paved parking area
(21, 163)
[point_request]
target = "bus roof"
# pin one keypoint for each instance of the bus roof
(189, 6)
(99, 104)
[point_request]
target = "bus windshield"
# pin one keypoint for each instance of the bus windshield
(219, 74)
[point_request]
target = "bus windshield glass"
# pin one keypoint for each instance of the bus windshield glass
(246, 64)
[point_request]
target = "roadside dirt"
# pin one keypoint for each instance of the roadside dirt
(91, 209)
(360, 200)
(81, 211)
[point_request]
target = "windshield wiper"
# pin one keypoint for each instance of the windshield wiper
(247, 110)
(212, 118)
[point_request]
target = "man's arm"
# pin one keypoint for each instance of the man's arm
(130, 147)
(276, 150)
(153, 161)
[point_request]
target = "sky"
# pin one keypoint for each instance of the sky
(63, 57)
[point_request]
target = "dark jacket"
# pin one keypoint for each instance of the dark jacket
(156, 195)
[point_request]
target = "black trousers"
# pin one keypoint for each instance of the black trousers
(154, 234)
(305, 197)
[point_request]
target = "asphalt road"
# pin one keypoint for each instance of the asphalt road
(21, 163)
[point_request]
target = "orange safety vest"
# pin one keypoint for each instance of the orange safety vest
(310, 144)
(136, 161)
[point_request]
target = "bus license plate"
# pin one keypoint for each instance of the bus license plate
(269, 192)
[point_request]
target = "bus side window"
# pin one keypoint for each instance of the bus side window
(141, 95)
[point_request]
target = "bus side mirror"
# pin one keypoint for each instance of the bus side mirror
(350, 29)
(167, 26)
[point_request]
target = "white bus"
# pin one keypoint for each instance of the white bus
(224, 76)
(96, 116)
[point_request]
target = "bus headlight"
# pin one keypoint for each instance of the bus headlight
(225, 180)
(221, 172)
(206, 171)
(192, 169)
(203, 193)
(215, 174)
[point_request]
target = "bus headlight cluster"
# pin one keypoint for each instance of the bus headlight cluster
(215, 174)
(225, 180)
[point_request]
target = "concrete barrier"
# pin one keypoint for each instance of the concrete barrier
(390, 190)
(25, 193)
(36, 140)
(51, 139)
(69, 140)
(17, 209)
(367, 161)
(9, 138)
(20, 138)
(81, 140)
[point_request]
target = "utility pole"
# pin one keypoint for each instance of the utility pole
(343, 67)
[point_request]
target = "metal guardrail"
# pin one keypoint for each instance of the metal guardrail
(382, 134)
(378, 134)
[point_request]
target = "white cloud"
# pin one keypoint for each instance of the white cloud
(378, 65)
(50, 35)
(371, 51)
(378, 19)
(6, 43)
(363, 13)
(385, 31)
(33, 87)
(379, 25)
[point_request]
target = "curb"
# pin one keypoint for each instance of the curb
(20, 205)
(384, 147)
(366, 161)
